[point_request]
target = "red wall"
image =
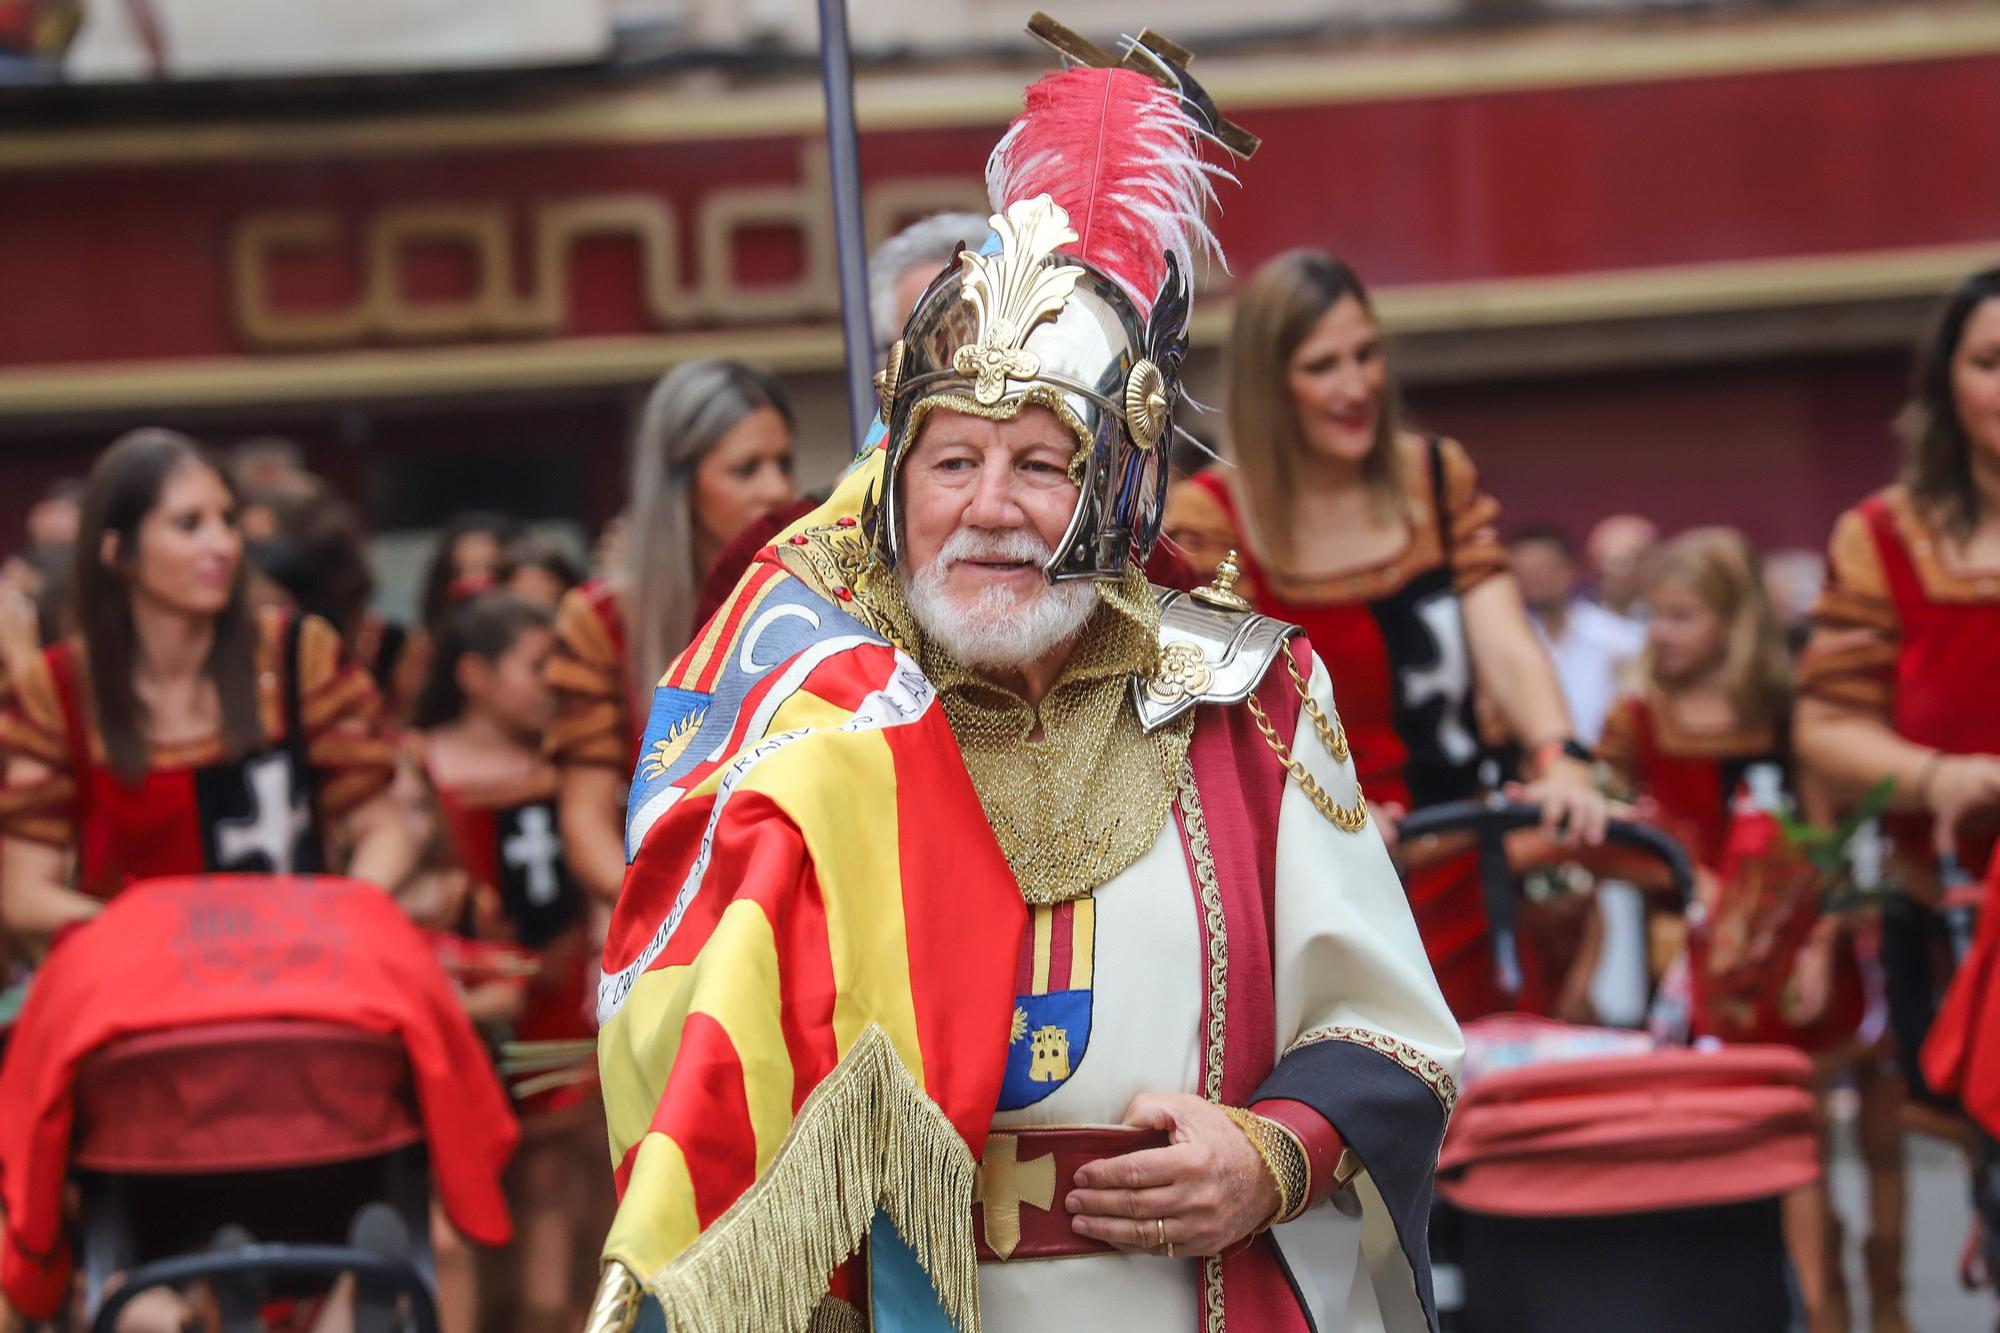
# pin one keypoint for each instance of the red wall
(1777, 450)
(129, 262)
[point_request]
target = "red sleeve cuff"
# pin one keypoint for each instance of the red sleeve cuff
(1315, 1133)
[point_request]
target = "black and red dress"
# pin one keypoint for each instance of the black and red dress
(1393, 638)
(504, 835)
(322, 752)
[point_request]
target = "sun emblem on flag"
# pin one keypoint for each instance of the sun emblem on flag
(673, 745)
(1020, 1025)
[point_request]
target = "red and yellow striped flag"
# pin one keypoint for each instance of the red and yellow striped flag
(810, 974)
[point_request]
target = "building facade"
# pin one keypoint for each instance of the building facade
(1671, 263)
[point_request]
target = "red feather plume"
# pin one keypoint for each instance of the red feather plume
(1120, 153)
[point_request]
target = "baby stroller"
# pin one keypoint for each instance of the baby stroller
(1630, 1188)
(246, 1073)
(264, 1159)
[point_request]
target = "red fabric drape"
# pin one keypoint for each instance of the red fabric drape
(182, 953)
(1961, 1057)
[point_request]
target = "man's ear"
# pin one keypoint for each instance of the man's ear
(474, 673)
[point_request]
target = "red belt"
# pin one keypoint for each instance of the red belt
(1026, 1175)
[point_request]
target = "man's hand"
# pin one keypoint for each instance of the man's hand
(1200, 1195)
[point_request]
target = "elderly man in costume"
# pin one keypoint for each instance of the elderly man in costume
(988, 907)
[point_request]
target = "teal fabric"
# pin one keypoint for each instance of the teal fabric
(900, 1294)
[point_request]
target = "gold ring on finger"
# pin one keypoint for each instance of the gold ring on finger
(1160, 1231)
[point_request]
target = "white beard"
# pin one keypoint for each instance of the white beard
(996, 630)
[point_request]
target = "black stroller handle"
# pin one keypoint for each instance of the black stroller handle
(1490, 822)
(397, 1275)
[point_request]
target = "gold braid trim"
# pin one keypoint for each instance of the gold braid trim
(1215, 931)
(1435, 1076)
(867, 1137)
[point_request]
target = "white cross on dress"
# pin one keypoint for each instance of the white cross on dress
(276, 820)
(534, 851)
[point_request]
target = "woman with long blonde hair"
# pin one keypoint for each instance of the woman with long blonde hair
(1380, 543)
(713, 453)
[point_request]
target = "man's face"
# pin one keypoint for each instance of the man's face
(1617, 547)
(1544, 573)
(966, 474)
(984, 505)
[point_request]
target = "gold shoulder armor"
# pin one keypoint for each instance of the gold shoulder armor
(1211, 652)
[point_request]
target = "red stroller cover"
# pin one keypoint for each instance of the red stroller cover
(1961, 1056)
(188, 952)
(1630, 1134)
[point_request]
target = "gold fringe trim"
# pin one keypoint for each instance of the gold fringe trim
(836, 1316)
(866, 1138)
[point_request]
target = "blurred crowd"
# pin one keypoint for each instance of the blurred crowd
(186, 610)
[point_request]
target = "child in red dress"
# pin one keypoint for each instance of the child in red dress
(480, 719)
(1703, 740)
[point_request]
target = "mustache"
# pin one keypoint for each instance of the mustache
(994, 544)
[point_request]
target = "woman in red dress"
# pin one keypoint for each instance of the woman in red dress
(714, 452)
(182, 731)
(1703, 741)
(1897, 680)
(479, 724)
(1380, 544)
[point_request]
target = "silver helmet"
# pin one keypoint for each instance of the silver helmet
(1019, 323)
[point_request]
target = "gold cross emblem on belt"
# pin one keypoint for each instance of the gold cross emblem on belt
(1004, 1183)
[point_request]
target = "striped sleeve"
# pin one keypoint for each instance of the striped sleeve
(1850, 659)
(587, 673)
(38, 796)
(1474, 516)
(346, 741)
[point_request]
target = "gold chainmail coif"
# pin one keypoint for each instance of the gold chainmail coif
(1085, 799)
